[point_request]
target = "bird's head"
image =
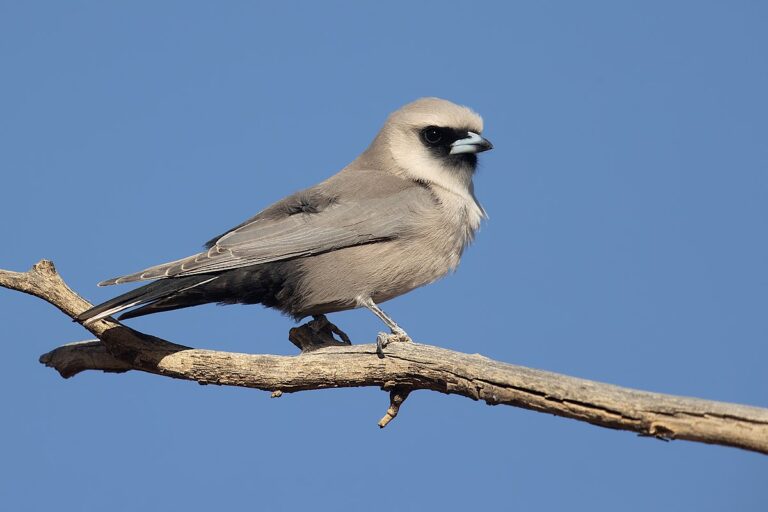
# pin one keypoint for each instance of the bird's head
(434, 141)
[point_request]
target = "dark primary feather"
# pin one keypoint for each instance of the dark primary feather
(272, 285)
(146, 294)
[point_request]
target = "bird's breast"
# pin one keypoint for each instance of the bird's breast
(429, 250)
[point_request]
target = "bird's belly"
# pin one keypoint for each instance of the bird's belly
(334, 281)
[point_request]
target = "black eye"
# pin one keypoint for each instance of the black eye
(432, 135)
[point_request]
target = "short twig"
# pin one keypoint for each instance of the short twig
(396, 398)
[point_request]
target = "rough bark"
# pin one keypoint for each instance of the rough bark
(406, 367)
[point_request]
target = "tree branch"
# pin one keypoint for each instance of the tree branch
(406, 367)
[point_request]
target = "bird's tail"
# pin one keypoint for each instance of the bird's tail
(161, 295)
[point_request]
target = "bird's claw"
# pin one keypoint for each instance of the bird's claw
(383, 339)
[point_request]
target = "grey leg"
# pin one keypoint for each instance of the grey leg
(382, 340)
(376, 310)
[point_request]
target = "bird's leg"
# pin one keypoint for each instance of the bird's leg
(383, 339)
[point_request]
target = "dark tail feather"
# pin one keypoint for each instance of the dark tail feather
(159, 293)
(182, 300)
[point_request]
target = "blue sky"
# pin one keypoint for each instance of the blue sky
(626, 243)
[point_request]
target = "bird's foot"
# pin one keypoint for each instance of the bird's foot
(383, 339)
(317, 333)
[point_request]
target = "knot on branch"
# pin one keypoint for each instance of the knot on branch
(317, 333)
(45, 267)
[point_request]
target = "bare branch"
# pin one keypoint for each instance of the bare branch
(406, 367)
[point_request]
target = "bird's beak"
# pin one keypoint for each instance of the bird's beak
(472, 144)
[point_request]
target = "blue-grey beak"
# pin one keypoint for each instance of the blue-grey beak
(472, 144)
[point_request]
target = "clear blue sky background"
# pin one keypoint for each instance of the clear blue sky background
(627, 243)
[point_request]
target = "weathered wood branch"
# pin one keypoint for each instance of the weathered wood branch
(406, 367)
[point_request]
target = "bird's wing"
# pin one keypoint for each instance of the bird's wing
(306, 223)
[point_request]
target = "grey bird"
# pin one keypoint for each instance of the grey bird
(396, 218)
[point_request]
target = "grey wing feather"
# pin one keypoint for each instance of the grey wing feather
(265, 239)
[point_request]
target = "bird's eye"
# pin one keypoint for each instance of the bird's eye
(432, 135)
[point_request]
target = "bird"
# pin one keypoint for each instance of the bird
(398, 217)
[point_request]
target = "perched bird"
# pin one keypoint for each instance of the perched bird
(396, 218)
